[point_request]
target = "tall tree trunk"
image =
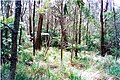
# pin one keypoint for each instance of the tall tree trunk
(76, 22)
(61, 23)
(38, 41)
(47, 40)
(87, 32)
(34, 29)
(14, 40)
(80, 24)
(73, 35)
(1, 39)
(30, 19)
(102, 30)
(52, 20)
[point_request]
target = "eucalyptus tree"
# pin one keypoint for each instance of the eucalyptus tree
(14, 40)
(102, 30)
(41, 11)
(34, 28)
(30, 18)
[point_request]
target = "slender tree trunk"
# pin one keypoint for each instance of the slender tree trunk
(38, 40)
(72, 44)
(102, 30)
(61, 40)
(76, 32)
(8, 10)
(80, 24)
(51, 21)
(14, 40)
(1, 39)
(73, 35)
(20, 36)
(87, 33)
(30, 19)
(55, 24)
(47, 40)
(61, 23)
(34, 29)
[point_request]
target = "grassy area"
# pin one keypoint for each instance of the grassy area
(88, 66)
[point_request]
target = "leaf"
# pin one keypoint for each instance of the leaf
(3, 19)
(10, 19)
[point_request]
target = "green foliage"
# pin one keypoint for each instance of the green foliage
(85, 61)
(24, 57)
(25, 39)
(114, 70)
(54, 37)
(5, 71)
(115, 51)
(43, 8)
(22, 72)
(74, 76)
(79, 2)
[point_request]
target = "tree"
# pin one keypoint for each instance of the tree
(30, 18)
(87, 31)
(61, 23)
(102, 30)
(38, 40)
(14, 40)
(34, 29)
(47, 28)
(76, 23)
(80, 23)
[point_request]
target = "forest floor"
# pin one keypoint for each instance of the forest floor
(88, 65)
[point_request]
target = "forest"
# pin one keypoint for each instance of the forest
(60, 39)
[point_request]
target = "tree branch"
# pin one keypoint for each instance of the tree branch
(7, 26)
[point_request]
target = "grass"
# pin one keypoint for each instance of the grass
(88, 66)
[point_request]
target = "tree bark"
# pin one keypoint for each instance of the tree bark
(76, 32)
(47, 40)
(14, 40)
(80, 24)
(34, 29)
(1, 39)
(20, 36)
(61, 23)
(102, 30)
(38, 41)
(30, 19)
(87, 33)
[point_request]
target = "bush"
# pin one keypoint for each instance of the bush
(5, 71)
(74, 76)
(114, 70)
